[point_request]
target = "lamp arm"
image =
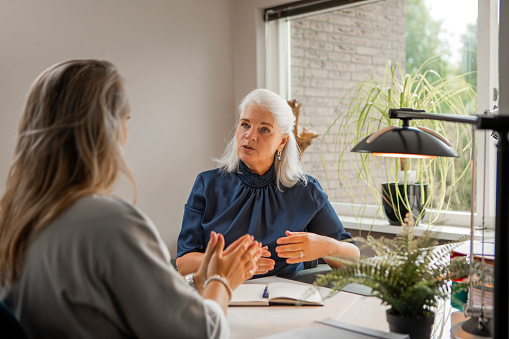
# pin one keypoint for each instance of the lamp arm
(410, 113)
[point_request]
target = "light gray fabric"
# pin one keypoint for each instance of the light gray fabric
(101, 270)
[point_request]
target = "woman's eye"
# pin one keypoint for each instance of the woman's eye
(244, 125)
(265, 130)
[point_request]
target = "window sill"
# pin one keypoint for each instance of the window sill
(451, 233)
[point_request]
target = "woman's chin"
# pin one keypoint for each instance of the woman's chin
(247, 158)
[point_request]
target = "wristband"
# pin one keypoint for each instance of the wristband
(221, 280)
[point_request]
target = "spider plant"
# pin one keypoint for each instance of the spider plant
(364, 110)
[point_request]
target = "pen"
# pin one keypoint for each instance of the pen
(266, 292)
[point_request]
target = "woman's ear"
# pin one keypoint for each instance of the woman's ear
(284, 141)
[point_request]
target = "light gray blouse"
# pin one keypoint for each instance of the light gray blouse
(101, 270)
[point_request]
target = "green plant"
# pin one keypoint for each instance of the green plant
(411, 274)
(364, 110)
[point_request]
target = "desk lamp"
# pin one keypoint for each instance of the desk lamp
(413, 142)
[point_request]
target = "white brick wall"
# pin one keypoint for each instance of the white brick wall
(329, 53)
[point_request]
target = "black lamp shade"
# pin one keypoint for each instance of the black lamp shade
(403, 141)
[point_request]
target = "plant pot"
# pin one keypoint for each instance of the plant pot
(391, 198)
(417, 328)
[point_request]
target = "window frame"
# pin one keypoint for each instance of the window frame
(277, 78)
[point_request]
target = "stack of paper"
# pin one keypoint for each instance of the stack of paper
(476, 294)
(332, 329)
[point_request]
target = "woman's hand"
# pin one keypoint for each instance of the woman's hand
(214, 245)
(302, 246)
(236, 263)
(305, 246)
(265, 264)
(201, 275)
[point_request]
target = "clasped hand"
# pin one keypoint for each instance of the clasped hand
(237, 263)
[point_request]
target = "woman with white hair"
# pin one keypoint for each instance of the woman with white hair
(260, 188)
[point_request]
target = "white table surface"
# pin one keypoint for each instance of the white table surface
(259, 321)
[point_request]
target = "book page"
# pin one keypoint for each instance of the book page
(288, 292)
(249, 295)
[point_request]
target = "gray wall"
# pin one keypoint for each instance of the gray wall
(176, 57)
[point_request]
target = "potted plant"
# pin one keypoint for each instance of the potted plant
(364, 110)
(410, 274)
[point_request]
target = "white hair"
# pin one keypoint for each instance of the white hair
(289, 170)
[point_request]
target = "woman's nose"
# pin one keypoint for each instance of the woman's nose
(251, 134)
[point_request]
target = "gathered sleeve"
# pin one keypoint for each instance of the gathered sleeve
(148, 292)
(192, 237)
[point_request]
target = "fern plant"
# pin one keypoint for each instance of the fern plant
(411, 274)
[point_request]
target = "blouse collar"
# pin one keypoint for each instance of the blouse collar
(253, 179)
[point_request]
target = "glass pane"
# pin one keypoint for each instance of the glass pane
(379, 44)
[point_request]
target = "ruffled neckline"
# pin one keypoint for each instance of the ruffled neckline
(254, 179)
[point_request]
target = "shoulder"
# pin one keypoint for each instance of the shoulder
(215, 177)
(103, 207)
(312, 185)
(312, 190)
(103, 204)
(99, 216)
(215, 173)
(96, 229)
(312, 181)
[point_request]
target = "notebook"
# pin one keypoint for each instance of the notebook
(276, 293)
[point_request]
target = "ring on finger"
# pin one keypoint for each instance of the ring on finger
(301, 254)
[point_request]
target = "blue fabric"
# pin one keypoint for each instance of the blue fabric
(234, 204)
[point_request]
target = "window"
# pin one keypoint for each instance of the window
(316, 58)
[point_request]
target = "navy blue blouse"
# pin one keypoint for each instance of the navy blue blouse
(234, 204)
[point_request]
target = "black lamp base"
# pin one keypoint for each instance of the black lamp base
(472, 328)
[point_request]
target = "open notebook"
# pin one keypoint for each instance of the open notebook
(282, 293)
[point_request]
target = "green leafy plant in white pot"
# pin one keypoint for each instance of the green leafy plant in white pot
(363, 110)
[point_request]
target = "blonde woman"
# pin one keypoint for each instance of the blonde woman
(76, 261)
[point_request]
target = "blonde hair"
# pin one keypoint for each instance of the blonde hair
(289, 170)
(69, 145)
